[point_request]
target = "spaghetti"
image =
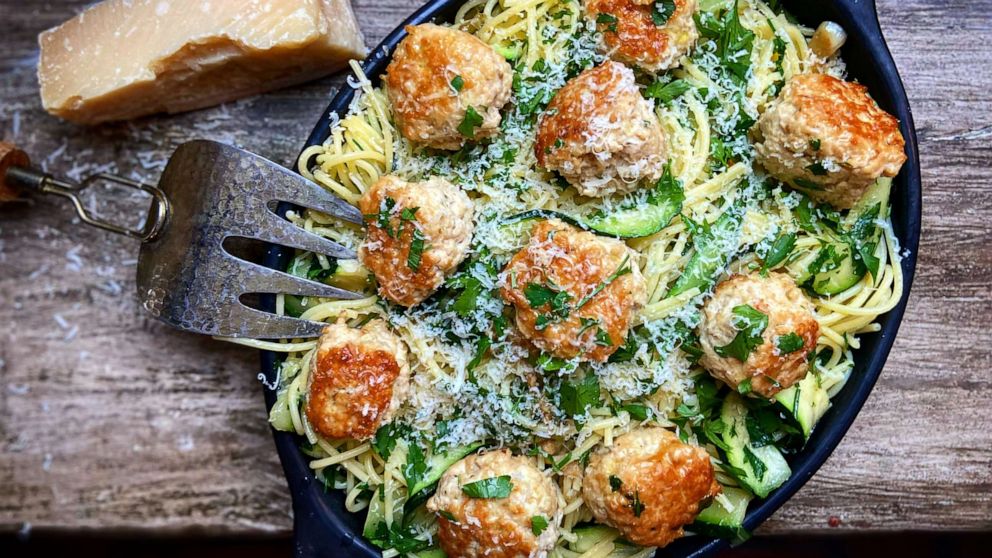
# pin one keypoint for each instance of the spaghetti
(711, 155)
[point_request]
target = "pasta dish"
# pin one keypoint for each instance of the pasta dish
(617, 256)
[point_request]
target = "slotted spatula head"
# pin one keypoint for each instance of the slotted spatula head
(185, 276)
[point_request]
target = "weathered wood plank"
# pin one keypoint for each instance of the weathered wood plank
(110, 420)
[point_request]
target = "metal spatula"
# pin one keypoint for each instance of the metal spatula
(208, 193)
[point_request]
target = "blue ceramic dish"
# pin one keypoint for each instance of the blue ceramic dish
(322, 525)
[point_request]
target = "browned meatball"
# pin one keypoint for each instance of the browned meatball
(574, 293)
(358, 379)
(417, 233)
(438, 75)
(630, 35)
(828, 138)
(648, 485)
(601, 134)
(470, 526)
(791, 324)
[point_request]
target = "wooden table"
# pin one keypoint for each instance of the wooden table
(110, 420)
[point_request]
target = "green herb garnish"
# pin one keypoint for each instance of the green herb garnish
(662, 11)
(538, 524)
(789, 343)
(470, 122)
(750, 324)
(491, 488)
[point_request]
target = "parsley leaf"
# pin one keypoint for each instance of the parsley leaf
(817, 169)
(538, 295)
(538, 524)
(750, 324)
(416, 464)
(491, 488)
(757, 465)
(457, 83)
(382, 217)
(666, 92)
(733, 41)
(622, 269)
(779, 250)
(574, 399)
(395, 536)
(636, 411)
(470, 122)
(413, 257)
(615, 483)
(636, 505)
(662, 11)
(603, 338)
(385, 438)
(789, 343)
(608, 19)
(814, 144)
(317, 273)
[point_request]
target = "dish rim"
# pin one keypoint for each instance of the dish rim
(320, 525)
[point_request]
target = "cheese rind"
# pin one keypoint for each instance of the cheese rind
(123, 59)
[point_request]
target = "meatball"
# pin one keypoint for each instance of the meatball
(417, 233)
(648, 485)
(828, 138)
(441, 77)
(629, 34)
(574, 293)
(472, 525)
(600, 134)
(358, 379)
(779, 358)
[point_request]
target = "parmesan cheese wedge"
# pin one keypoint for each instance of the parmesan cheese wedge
(122, 59)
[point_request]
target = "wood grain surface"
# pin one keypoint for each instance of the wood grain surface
(109, 420)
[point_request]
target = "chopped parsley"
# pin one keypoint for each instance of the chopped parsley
(574, 399)
(448, 515)
(733, 41)
(615, 483)
(817, 169)
(609, 19)
(814, 144)
(755, 462)
(665, 92)
(415, 254)
(382, 217)
(470, 122)
(750, 324)
(636, 505)
(538, 524)
(457, 83)
(662, 11)
(637, 411)
(603, 338)
(416, 464)
(491, 488)
(789, 343)
(622, 269)
(779, 250)
(541, 295)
